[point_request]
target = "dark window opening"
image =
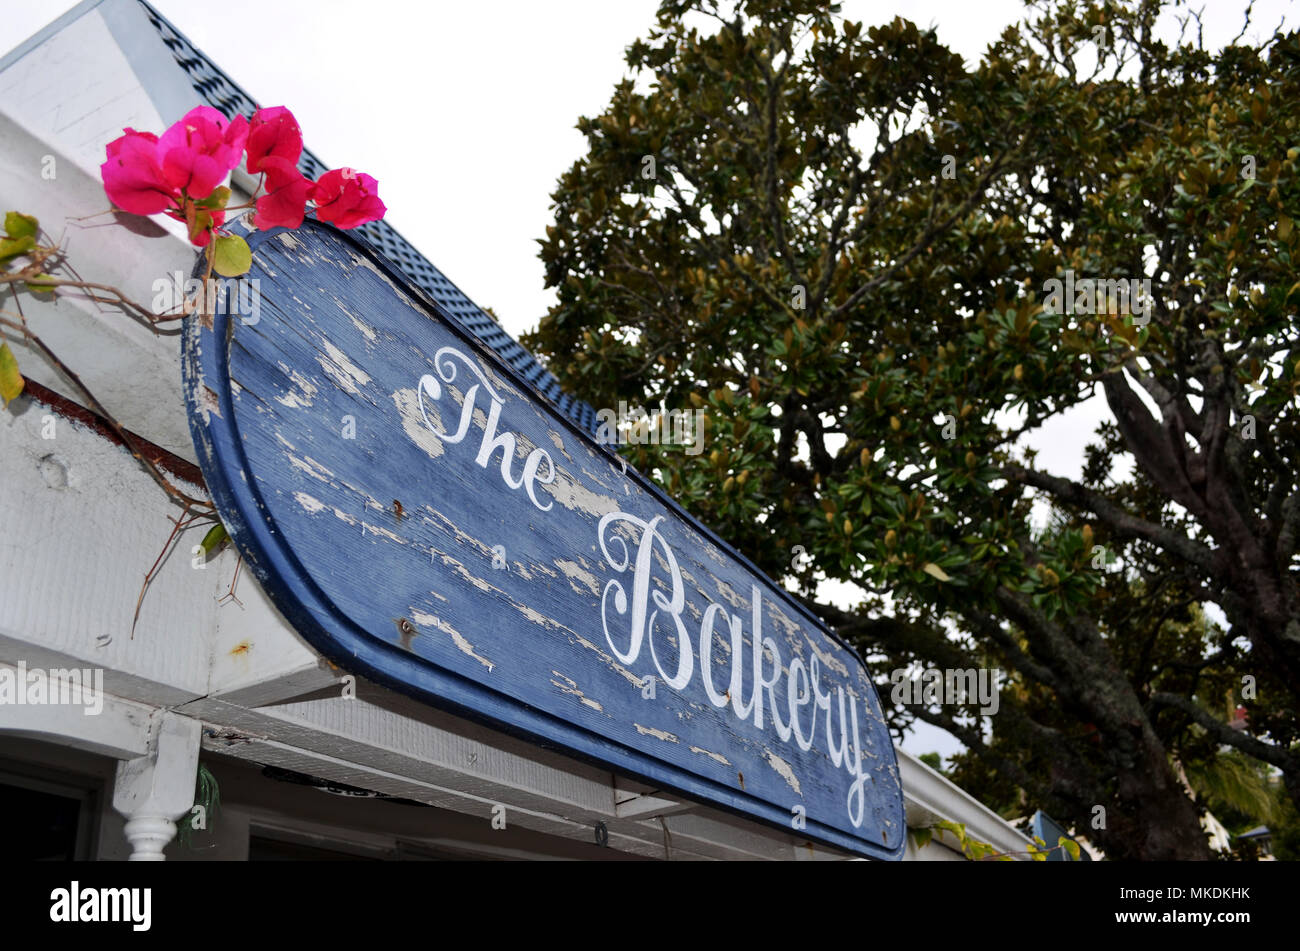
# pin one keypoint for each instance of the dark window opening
(53, 821)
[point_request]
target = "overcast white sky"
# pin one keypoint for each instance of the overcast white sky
(465, 113)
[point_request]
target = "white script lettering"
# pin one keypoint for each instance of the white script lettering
(802, 684)
(431, 387)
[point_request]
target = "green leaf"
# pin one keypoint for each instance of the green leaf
(956, 828)
(38, 286)
(922, 836)
(232, 256)
(11, 381)
(213, 539)
(18, 225)
(1070, 846)
(12, 247)
(217, 199)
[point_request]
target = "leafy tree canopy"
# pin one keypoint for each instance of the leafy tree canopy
(842, 243)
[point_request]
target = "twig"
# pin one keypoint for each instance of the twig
(178, 525)
(230, 594)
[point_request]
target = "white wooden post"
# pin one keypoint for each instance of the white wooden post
(154, 790)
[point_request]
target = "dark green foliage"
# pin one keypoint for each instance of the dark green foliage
(837, 241)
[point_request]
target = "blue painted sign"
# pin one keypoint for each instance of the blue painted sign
(427, 519)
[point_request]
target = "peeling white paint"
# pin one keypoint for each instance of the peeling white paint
(558, 443)
(657, 734)
(408, 405)
(571, 687)
(613, 665)
(311, 467)
(791, 627)
(464, 572)
(830, 660)
(714, 756)
(303, 396)
(574, 573)
(367, 331)
(366, 263)
(464, 646)
(342, 370)
(461, 536)
(577, 497)
(783, 768)
(374, 529)
(597, 479)
(542, 569)
(729, 594)
(310, 504)
(209, 403)
(314, 505)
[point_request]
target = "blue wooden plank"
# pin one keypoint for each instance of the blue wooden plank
(423, 516)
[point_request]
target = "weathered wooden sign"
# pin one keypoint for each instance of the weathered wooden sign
(425, 518)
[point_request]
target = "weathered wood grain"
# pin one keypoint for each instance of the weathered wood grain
(533, 586)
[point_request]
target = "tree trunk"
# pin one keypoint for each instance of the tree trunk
(1156, 820)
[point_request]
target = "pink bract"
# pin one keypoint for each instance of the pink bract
(173, 173)
(133, 176)
(198, 152)
(347, 198)
(273, 133)
(285, 200)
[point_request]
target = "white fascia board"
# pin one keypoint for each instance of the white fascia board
(132, 370)
(64, 95)
(78, 88)
(540, 791)
(38, 38)
(83, 524)
(98, 69)
(119, 729)
(167, 85)
(929, 796)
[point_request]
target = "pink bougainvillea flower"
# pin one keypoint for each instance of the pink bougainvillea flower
(347, 198)
(285, 200)
(200, 150)
(133, 176)
(180, 173)
(273, 132)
